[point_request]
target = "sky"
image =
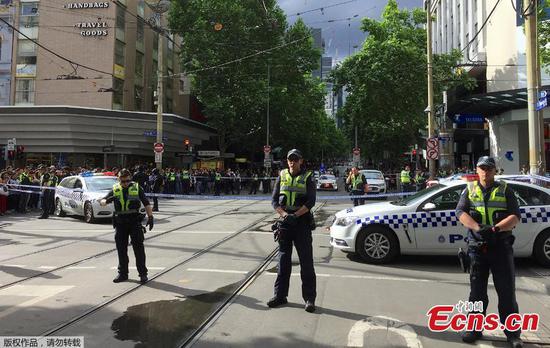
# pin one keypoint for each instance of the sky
(340, 36)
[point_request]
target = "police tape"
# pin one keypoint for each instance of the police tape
(214, 197)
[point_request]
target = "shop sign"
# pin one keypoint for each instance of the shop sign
(86, 5)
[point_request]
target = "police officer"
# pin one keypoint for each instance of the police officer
(156, 182)
(293, 198)
(217, 183)
(489, 209)
(48, 181)
(406, 179)
(185, 181)
(357, 182)
(420, 180)
(126, 196)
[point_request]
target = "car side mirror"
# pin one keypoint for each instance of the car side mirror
(429, 206)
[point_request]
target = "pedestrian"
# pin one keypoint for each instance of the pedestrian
(185, 181)
(4, 192)
(156, 183)
(293, 198)
(24, 182)
(490, 211)
(254, 184)
(127, 197)
(406, 179)
(217, 183)
(358, 185)
(48, 182)
(140, 177)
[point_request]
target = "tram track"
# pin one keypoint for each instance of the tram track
(251, 277)
(105, 252)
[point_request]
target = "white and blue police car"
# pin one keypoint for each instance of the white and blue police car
(80, 194)
(425, 223)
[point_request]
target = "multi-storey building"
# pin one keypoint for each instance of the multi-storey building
(89, 55)
(491, 119)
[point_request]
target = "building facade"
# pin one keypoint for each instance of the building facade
(111, 37)
(494, 53)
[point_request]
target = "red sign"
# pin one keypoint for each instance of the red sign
(356, 151)
(158, 147)
(267, 149)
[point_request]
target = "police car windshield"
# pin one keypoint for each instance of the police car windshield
(417, 196)
(99, 183)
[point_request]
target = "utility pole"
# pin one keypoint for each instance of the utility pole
(268, 87)
(431, 118)
(160, 89)
(534, 122)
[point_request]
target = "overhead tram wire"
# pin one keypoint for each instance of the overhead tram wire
(52, 52)
(481, 28)
(321, 8)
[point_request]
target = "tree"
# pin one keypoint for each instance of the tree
(544, 34)
(387, 82)
(227, 49)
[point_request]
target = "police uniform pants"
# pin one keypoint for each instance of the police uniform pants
(123, 231)
(499, 259)
(358, 201)
(47, 202)
(301, 238)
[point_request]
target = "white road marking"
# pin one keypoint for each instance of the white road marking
(48, 267)
(81, 267)
(38, 292)
(216, 270)
(357, 332)
(351, 276)
(203, 232)
(134, 267)
(19, 266)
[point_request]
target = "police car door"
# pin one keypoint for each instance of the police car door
(65, 190)
(437, 229)
(77, 197)
(534, 205)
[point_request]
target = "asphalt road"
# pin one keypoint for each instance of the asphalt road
(212, 269)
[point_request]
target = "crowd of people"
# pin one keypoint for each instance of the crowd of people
(13, 181)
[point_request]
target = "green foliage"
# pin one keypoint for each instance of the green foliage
(235, 94)
(544, 35)
(387, 82)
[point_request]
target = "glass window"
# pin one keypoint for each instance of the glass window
(67, 182)
(118, 86)
(181, 86)
(141, 9)
(140, 35)
(119, 52)
(24, 93)
(528, 196)
(99, 183)
(448, 199)
(120, 23)
(28, 22)
(26, 48)
(138, 97)
(29, 9)
(31, 60)
(140, 61)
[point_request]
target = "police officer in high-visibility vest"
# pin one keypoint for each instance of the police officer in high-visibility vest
(406, 179)
(489, 209)
(293, 198)
(48, 181)
(358, 183)
(420, 180)
(217, 183)
(185, 181)
(127, 197)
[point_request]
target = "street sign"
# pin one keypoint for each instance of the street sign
(267, 149)
(432, 148)
(543, 100)
(109, 148)
(468, 118)
(11, 144)
(158, 147)
(158, 157)
(208, 153)
(183, 154)
(153, 134)
(267, 162)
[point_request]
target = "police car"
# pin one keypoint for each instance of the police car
(425, 223)
(80, 195)
(327, 182)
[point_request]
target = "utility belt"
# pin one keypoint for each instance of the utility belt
(479, 246)
(127, 217)
(305, 220)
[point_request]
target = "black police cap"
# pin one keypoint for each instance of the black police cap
(486, 161)
(294, 152)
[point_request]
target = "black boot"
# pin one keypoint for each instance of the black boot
(276, 301)
(120, 278)
(471, 336)
(310, 306)
(515, 342)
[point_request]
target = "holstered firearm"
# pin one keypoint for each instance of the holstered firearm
(464, 260)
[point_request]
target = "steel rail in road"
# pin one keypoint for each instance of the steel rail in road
(114, 249)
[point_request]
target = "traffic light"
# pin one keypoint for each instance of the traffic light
(187, 143)
(414, 152)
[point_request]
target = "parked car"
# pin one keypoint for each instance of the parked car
(327, 182)
(80, 194)
(425, 223)
(375, 180)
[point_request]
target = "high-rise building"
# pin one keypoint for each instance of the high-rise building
(494, 54)
(7, 12)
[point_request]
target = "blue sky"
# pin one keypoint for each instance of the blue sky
(339, 37)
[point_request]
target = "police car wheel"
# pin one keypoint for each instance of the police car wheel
(59, 208)
(541, 248)
(377, 245)
(88, 213)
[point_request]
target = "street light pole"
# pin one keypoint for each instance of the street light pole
(160, 90)
(535, 140)
(268, 87)
(431, 118)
